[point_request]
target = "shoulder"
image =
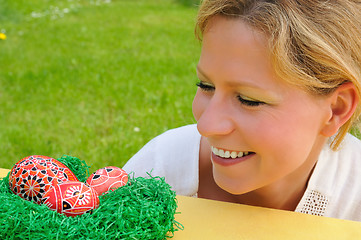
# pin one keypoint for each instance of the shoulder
(184, 134)
(335, 185)
(174, 155)
(175, 139)
(170, 145)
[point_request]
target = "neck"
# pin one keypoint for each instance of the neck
(279, 196)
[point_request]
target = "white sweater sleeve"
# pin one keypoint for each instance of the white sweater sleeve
(173, 155)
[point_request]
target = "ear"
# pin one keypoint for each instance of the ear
(343, 103)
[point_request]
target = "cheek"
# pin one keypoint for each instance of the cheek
(286, 135)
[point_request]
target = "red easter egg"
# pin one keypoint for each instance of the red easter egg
(71, 198)
(106, 179)
(32, 176)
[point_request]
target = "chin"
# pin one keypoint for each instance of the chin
(230, 186)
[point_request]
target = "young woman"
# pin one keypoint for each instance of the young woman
(279, 88)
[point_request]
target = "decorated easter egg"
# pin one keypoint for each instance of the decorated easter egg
(106, 179)
(32, 176)
(71, 198)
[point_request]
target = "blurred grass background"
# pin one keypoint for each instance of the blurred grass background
(94, 79)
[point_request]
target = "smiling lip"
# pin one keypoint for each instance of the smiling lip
(229, 161)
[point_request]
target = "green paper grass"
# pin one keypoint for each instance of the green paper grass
(142, 209)
(77, 166)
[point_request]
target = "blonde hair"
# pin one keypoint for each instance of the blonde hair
(314, 44)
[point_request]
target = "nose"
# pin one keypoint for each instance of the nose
(215, 117)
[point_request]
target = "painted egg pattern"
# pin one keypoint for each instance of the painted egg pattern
(32, 177)
(107, 178)
(71, 198)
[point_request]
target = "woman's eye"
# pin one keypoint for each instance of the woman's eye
(205, 86)
(249, 102)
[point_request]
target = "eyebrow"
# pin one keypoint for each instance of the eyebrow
(245, 85)
(199, 70)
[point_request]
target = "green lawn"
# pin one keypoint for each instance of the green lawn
(93, 79)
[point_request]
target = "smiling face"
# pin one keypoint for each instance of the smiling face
(264, 132)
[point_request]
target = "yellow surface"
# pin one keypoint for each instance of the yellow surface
(3, 172)
(207, 219)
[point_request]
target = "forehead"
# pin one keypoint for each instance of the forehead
(236, 48)
(235, 29)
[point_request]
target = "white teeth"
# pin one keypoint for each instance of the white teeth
(221, 153)
(228, 154)
(215, 150)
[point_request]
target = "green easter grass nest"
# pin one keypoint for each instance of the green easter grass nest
(142, 209)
